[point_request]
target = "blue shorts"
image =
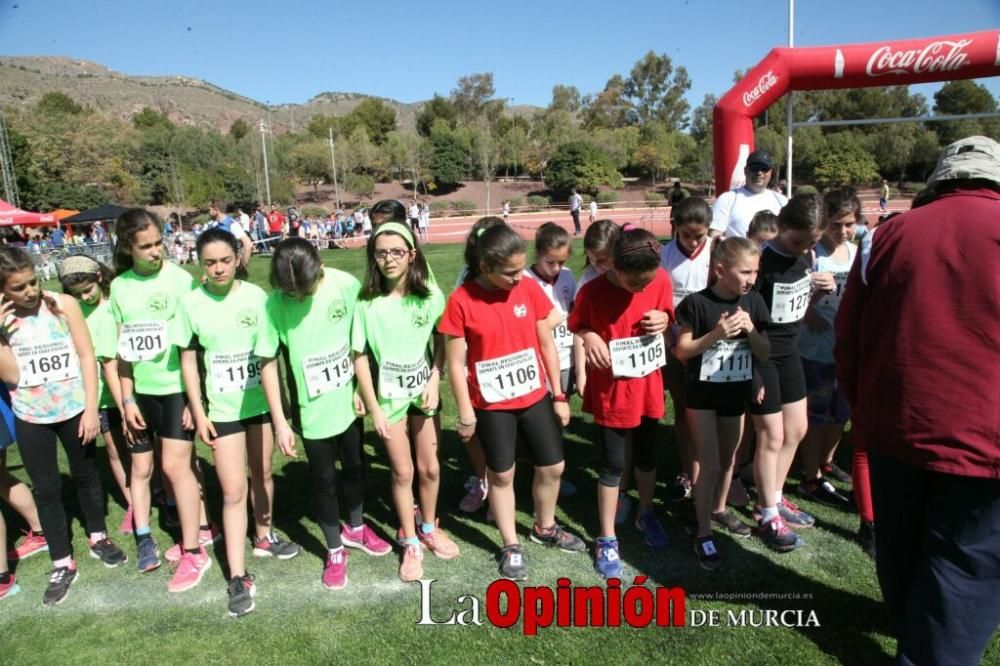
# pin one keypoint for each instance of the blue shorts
(826, 402)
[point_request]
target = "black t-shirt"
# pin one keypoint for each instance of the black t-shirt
(700, 312)
(783, 282)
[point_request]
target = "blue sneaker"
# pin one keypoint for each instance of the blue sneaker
(652, 531)
(148, 555)
(607, 562)
(793, 516)
(622, 509)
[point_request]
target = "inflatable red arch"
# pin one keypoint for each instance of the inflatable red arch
(967, 56)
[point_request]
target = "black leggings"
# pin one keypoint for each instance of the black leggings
(537, 427)
(323, 475)
(613, 451)
(37, 443)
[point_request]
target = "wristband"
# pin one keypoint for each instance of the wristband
(561, 397)
(461, 424)
(128, 401)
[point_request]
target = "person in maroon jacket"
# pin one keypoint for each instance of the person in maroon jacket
(918, 355)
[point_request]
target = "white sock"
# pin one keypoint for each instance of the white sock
(777, 501)
(97, 536)
(64, 562)
(334, 551)
(768, 513)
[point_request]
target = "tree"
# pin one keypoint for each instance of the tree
(377, 117)
(149, 118)
(310, 161)
(239, 129)
(656, 90)
(844, 162)
(472, 96)
(657, 151)
(582, 166)
(962, 97)
(701, 119)
(320, 125)
(57, 103)
(565, 98)
(447, 155)
(486, 154)
(407, 152)
(513, 146)
(608, 108)
(437, 108)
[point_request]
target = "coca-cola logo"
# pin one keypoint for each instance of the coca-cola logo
(765, 83)
(940, 56)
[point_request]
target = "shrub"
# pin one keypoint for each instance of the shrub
(361, 184)
(537, 201)
(438, 207)
(654, 199)
(806, 189)
(313, 211)
(606, 197)
(463, 206)
(516, 201)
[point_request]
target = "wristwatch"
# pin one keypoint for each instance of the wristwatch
(561, 397)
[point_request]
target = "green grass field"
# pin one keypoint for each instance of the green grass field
(121, 616)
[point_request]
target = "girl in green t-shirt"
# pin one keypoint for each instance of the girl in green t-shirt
(221, 321)
(309, 317)
(395, 322)
(89, 281)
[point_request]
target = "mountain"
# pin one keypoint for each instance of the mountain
(183, 99)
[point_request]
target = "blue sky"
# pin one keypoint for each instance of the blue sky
(290, 50)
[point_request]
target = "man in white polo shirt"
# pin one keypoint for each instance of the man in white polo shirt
(733, 210)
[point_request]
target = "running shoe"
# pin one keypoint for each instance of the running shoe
(680, 490)
(606, 559)
(557, 537)
(707, 554)
(106, 551)
(793, 515)
(566, 488)
(364, 539)
(59, 583)
(513, 565)
(9, 587)
(335, 570)
(272, 546)
(832, 469)
(733, 525)
(652, 531)
(823, 492)
(477, 491)
(411, 566)
(126, 526)
(190, 571)
(206, 538)
(738, 495)
(148, 554)
(32, 544)
(866, 537)
(439, 543)
(623, 508)
(241, 594)
(776, 535)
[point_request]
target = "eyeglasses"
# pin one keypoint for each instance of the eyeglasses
(759, 168)
(396, 253)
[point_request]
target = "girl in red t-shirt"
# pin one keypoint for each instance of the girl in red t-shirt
(621, 317)
(500, 351)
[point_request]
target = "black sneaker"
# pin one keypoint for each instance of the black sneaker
(707, 554)
(836, 472)
(557, 537)
(59, 582)
(680, 489)
(241, 594)
(733, 525)
(823, 492)
(866, 537)
(776, 535)
(512, 563)
(106, 551)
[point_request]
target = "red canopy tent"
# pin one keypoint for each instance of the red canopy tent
(10, 216)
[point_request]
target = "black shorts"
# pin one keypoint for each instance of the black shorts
(163, 417)
(536, 426)
(725, 399)
(416, 410)
(784, 383)
(110, 418)
(226, 428)
(415, 223)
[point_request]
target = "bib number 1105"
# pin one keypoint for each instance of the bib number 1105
(638, 356)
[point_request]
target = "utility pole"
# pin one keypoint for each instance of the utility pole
(789, 120)
(7, 179)
(264, 129)
(333, 161)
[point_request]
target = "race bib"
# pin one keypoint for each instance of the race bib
(327, 372)
(142, 340)
(726, 361)
(680, 293)
(509, 376)
(46, 362)
(402, 380)
(233, 371)
(832, 300)
(789, 301)
(562, 335)
(638, 356)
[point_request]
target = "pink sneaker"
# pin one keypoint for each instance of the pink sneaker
(439, 543)
(208, 537)
(364, 539)
(335, 571)
(32, 544)
(126, 526)
(190, 571)
(10, 588)
(476, 495)
(411, 567)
